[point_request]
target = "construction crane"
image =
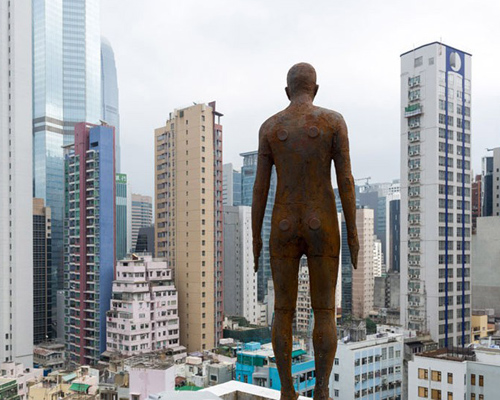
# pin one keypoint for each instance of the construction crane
(367, 182)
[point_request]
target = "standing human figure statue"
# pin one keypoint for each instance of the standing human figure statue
(301, 141)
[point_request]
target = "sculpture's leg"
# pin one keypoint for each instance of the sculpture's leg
(285, 277)
(323, 280)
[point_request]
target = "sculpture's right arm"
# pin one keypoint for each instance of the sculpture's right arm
(345, 183)
(260, 191)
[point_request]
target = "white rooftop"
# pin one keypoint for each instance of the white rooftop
(229, 391)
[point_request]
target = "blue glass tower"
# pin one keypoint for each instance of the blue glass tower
(248, 172)
(109, 94)
(66, 90)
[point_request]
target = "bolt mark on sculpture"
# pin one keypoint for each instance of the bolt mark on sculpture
(301, 142)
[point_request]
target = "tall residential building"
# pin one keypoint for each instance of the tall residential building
(142, 214)
(476, 188)
(378, 267)
(248, 173)
(90, 223)
(231, 186)
(490, 190)
(436, 192)
(143, 313)
(66, 90)
(362, 277)
(393, 232)
(145, 240)
(109, 95)
(16, 206)
(43, 324)
(240, 280)
(123, 215)
(188, 206)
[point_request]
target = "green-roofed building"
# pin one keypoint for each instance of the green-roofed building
(8, 389)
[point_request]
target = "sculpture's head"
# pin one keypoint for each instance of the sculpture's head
(301, 79)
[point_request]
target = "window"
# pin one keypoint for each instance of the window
(422, 391)
(450, 396)
(418, 61)
(436, 376)
(473, 379)
(336, 361)
(481, 380)
(423, 373)
(450, 377)
(336, 377)
(472, 396)
(436, 394)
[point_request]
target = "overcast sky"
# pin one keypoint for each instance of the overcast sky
(170, 54)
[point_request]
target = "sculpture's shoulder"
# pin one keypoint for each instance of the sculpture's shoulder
(271, 123)
(330, 117)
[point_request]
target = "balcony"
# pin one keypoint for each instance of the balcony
(412, 110)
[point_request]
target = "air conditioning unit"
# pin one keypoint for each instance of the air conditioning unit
(410, 153)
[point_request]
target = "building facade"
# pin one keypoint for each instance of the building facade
(240, 280)
(109, 95)
(123, 216)
(368, 369)
(455, 374)
(188, 221)
(362, 277)
(90, 229)
(143, 312)
(436, 192)
(394, 233)
(248, 173)
(66, 90)
(142, 214)
(231, 186)
(16, 206)
(43, 324)
(256, 365)
(490, 188)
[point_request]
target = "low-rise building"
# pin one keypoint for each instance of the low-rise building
(25, 377)
(49, 356)
(455, 373)
(257, 365)
(143, 315)
(370, 368)
(8, 389)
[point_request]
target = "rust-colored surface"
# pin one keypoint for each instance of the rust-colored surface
(301, 142)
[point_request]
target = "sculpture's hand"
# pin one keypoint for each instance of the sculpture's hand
(354, 250)
(257, 247)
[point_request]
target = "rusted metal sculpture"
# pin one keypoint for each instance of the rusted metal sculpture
(301, 141)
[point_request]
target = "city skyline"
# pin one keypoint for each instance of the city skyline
(357, 77)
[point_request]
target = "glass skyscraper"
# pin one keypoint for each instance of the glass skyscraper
(109, 94)
(66, 90)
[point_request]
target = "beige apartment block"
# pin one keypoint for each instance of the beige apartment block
(362, 277)
(188, 207)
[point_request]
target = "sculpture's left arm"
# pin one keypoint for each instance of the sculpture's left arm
(260, 191)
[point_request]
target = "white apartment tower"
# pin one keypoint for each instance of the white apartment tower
(435, 192)
(143, 313)
(16, 184)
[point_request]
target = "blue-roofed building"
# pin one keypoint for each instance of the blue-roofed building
(256, 365)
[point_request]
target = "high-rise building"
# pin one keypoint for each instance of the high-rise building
(143, 312)
(240, 281)
(142, 214)
(43, 324)
(490, 188)
(476, 188)
(109, 95)
(393, 232)
(248, 173)
(146, 240)
(362, 277)
(231, 186)
(66, 90)
(90, 223)
(122, 216)
(378, 268)
(188, 206)
(16, 206)
(436, 192)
